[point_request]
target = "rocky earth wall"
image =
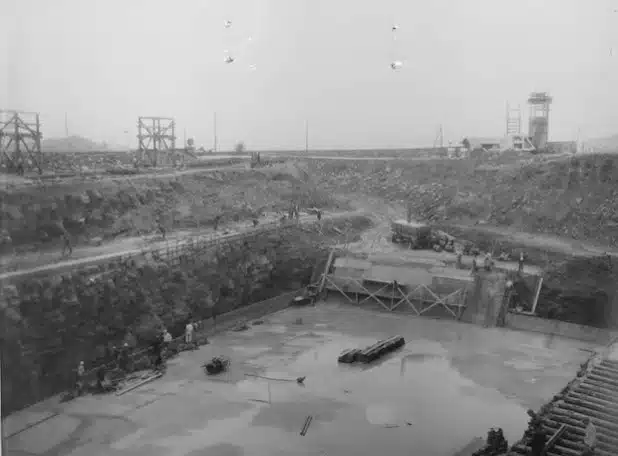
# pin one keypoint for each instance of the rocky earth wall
(50, 325)
(572, 197)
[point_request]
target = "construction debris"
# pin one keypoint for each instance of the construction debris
(139, 382)
(299, 380)
(373, 352)
(241, 326)
(216, 365)
(305, 428)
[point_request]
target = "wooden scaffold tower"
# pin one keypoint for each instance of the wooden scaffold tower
(157, 140)
(20, 141)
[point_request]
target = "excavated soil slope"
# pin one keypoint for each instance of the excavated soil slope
(575, 197)
(35, 215)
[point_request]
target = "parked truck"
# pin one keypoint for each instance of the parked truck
(416, 235)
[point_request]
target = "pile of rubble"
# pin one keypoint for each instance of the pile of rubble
(85, 161)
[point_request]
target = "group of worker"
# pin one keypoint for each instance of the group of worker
(122, 357)
(162, 342)
(488, 262)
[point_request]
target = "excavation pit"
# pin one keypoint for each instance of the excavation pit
(450, 383)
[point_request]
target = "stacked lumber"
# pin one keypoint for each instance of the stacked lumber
(349, 356)
(594, 395)
(373, 352)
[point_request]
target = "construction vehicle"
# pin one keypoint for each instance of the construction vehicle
(416, 235)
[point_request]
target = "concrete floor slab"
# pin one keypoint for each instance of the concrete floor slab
(450, 383)
(45, 436)
(19, 422)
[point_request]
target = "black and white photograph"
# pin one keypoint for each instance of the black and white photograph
(309, 228)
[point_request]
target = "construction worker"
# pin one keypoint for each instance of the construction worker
(255, 222)
(319, 214)
(297, 212)
(161, 229)
(81, 370)
(123, 357)
(189, 333)
(538, 441)
(520, 269)
(475, 266)
(459, 259)
(590, 437)
(167, 340)
(216, 222)
(157, 351)
(101, 379)
(487, 262)
(67, 248)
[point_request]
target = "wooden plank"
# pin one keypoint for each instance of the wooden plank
(326, 269)
(536, 295)
(138, 384)
(554, 438)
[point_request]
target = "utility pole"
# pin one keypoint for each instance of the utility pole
(306, 137)
(184, 132)
(439, 141)
(66, 125)
(215, 134)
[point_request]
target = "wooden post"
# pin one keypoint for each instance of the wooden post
(326, 269)
(536, 295)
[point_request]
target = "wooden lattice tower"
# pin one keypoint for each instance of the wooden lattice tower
(20, 141)
(157, 140)
(513, 120)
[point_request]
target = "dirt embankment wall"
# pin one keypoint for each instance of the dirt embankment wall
(578, 290)
(50, 325)
(35, 215)
(570, 196)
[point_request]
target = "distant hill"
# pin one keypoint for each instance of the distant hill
(603, 144)
(76, 144)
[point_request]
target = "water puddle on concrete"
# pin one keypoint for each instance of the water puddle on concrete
(416, 390)
(524, 365)
(250, 350)
(412, 400)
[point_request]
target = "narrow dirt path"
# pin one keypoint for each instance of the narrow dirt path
(544, 241)
(16, 181)
(135, 246)
(385, 211)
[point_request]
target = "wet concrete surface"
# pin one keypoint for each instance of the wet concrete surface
(450, 383)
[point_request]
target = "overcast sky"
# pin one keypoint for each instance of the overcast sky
(106, 62)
